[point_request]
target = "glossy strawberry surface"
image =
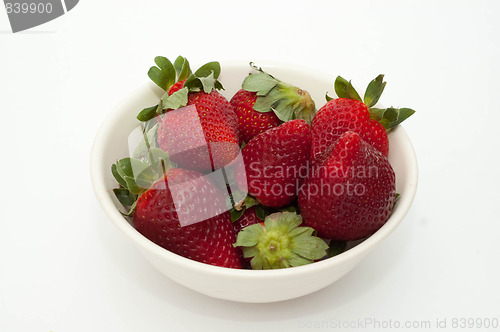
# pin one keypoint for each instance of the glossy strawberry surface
(276, 161)
(350, 190)
(204, 143)
(186, 195)
(251, 122)
(249, 217)
(341, 115)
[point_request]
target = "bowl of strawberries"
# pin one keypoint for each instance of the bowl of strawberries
(246, 183)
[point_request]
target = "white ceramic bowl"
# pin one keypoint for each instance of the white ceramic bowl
(232, 284)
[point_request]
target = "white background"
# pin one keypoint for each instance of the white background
(65, 267)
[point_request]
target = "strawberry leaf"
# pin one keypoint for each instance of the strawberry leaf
(262, 211)
(390, 117)
(403, 114)
(327, 97)
(288, 102)
(141, 180)
(164, 74)
(396, 199)
(124, 196)
(145, 178)
(125, 168)
(132, 186)
(374, 91)
(290, 208)
(207, 69)
(336, 247)
(307, 246)
(149, 141)
(117, 175)
(218, 85)
(266, 104)
(208, 82)
(250, 201)
(261, 83)
(237, 205)
(136, 173)
(159, 108)
(235, 214)
(182, 68)
(130, 211)
(250, 236)
(178, 99)
(147, 114)
(344, 89)
(159, 161)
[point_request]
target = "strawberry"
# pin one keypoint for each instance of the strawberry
(350, 113)
(176, 87)
(251, 122)
(180, 210)
(204, 137)
(280, 242)
(249, 217)
(275, 161)
(180, 197)
(169, 206)
(350, 190)
(265, 102)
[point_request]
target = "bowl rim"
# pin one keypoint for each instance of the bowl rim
(360, 250)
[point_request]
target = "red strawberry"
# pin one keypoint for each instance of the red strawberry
(249, 217)
(341, 115)
(349, 113)
(275, 161)
(176, 87)
(265, 102)
(204, 139)
(180, 197)
(250, 122)
(350, 190)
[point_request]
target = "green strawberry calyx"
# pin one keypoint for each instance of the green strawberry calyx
(280, 242)
(288, 102)
(389, 117)
(136, 174)
(165, 74)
